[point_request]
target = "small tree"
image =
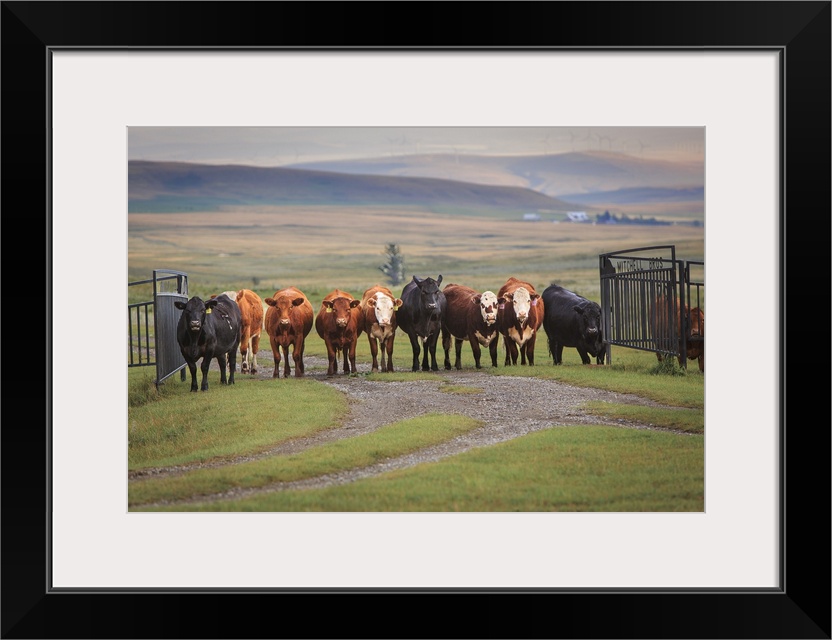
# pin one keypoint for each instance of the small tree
(393, 268)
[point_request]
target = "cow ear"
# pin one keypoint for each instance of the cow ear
(501, 300)
(371, 302)
(210, 304)
(397, 303)
(416, 280)
(578, 309)
(476, 299)
(354, 303)
(270, 301)
(327, 304)
(179, 305)
(439, 280)
(297, 302)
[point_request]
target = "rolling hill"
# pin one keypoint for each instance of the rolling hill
(555, 175)
(180, 187)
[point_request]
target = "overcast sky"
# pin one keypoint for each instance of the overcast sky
(279, 146)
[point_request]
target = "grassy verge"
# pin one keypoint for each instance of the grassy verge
(181, 427)
(562, 469)
(390, 441)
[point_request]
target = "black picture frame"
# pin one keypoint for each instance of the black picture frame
(800, 608)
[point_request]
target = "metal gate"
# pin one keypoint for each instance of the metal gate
(152, 342)
(646, 298)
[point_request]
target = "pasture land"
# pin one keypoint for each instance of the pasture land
(322, 248)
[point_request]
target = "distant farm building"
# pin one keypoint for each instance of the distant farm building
(531, 217)
(577, 216)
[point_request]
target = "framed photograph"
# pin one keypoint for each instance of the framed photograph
(754, 75)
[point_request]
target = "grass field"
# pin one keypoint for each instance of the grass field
(320, 249)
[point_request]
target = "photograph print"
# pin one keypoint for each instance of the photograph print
(416, 319)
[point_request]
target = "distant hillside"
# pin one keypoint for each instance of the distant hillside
(555, 175)
(179, 186)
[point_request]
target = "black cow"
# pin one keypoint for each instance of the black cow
(422, 316)
(571, 320)
(208, 330)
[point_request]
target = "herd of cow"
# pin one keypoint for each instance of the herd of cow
(234, 320)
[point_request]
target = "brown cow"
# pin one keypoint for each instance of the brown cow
(251, 310)
(288, 321)
(471, 316)
(519, 319)
(378, 319)
(339, 324)
(694, 338)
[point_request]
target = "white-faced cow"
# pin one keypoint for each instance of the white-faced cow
(288, 321)
(338, 323)
(518, 319)
(378, 318)
(471, 316)
(571, 320)
(209, 329)
(421, 317)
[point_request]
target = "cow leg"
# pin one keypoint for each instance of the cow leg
(528, 350)
(475, 347)
(192, 369)
(389, 347)
(558, 353)
(244, 349)
(446, 346)
(702, 362)
(287, 369)
(511, 351)
(232, 364)
(297, 358)
(331, 359)
(206, 364)
(352, 355)
(222, 361)
(584, 357)
(252, 356)
(374, 353)
(414, 343)
(492, 350)
(430, 345)
(276, 355)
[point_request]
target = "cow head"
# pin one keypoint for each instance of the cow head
(429, 292)
(488, 306)
(521, 300)
(284, 306)
(342, 308)
(697, 322)
(384, 306)
(589, 322)
(195, 310)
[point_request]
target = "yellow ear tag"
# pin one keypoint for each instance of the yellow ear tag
(208, 310)
(328, 310)
(395, 308)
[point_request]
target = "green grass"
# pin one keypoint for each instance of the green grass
(390, 441)
(249, 416)
(572, 469)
